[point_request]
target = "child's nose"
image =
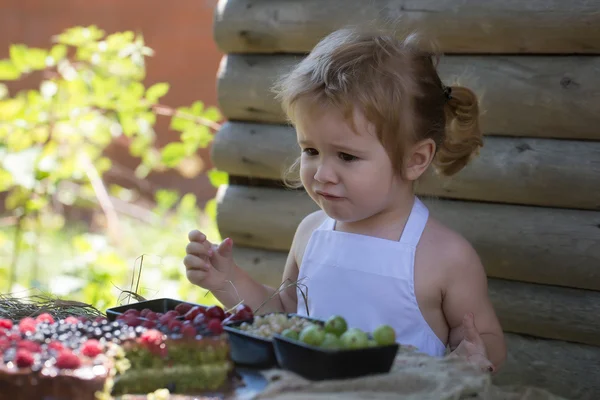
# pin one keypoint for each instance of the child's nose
(325, 173)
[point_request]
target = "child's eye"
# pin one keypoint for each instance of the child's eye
(347, 157)
(310, 151)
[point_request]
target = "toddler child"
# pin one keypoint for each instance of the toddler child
(371, 116)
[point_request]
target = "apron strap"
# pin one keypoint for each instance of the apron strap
(415, 224)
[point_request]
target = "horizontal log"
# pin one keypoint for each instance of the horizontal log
(468, 26)
(554, 97)
(566, 369)
(542, 172)
(539, 310)
(530, 244)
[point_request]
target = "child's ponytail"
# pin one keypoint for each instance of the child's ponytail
(463, 137)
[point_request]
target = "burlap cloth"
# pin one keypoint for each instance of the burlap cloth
(413, 376)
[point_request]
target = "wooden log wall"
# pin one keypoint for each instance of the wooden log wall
(532, 197)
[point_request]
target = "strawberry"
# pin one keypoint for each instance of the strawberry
(71, 320)
(45, 317)
(14, 337)
(27, 324)
(215, 326)
(24, 358)
(67, 360)
(91, 348)
(56, 345)
(6, 324)
(4, 344)
(30, 346)
(193, 312)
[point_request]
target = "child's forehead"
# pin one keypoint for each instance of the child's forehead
(334, 126)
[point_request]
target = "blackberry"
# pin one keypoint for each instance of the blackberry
(10, 354)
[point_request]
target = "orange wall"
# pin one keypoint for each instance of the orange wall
(179, 31)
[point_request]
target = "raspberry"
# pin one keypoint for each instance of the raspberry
(151, 315)
(67, 360)
(4, 344)
(24, 358)
(27, 324)
(131, 320)
(6, 324)
(3, 332)
(149, 324)
(91, 348)
(71, 320)
(14, 337)
(189, 331)
(145, 312)
(30, 346)
(152, 337)
(45, 317)
(100, 319)
(56, 345)
(215, 326)
(175, 325)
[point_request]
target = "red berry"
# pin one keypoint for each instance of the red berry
(215, 312)
(100, 319)
(6, 323)
(56, 345)
(199, 320)
(45, 317)
(193, 312)
(67, 360)
(149, 324)
(71, 320)
(174, 325)
(30, 346)
(82, 319)
(172, 314)
(152, 336)
(145, 312)
(3, 332)
(243, 312)
(4, 344)
(91, 348)
(132, 311)
(15, 337)
(215, 326)
(132, 320)
(27, 324)
(24, 358)
(151, 315)
(183, 308)
(188, 330)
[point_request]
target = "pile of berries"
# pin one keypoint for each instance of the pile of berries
(34, 342)
(185, 320)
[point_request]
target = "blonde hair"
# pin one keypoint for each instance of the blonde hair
(395, 84)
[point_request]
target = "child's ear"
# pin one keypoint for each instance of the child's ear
(419, 158)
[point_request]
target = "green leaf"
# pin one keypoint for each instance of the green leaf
(172, 154)
(210, 209)
(3, 91)
(196, 136)
(36, 203)
(79, 35)
(103, 165)
(8, 71)
(156, 91)
(58, 52)
(218, 178)
(6, 180)
(187, 205)
(17, 197)
(197, 108)
(213, 114)
(18, 55)
(165, 199)
(139, 145)
(36, 58)
(11, 108)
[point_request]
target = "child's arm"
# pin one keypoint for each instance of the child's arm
(465, 293)
(212, 267)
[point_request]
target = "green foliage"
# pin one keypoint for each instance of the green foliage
(52, 139)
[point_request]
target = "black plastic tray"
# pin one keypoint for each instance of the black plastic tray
(319, 364)
(161, 305)
(251, 350)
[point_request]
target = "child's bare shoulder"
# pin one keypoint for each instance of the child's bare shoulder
(305, 229)
(447, 248)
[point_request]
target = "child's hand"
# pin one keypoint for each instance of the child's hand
(208, 265)
(472, 348)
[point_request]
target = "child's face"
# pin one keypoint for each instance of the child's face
(348, 174)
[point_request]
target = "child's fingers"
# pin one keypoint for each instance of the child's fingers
(196, 236)
(192, 262)
(199, 249)
(470, 332)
